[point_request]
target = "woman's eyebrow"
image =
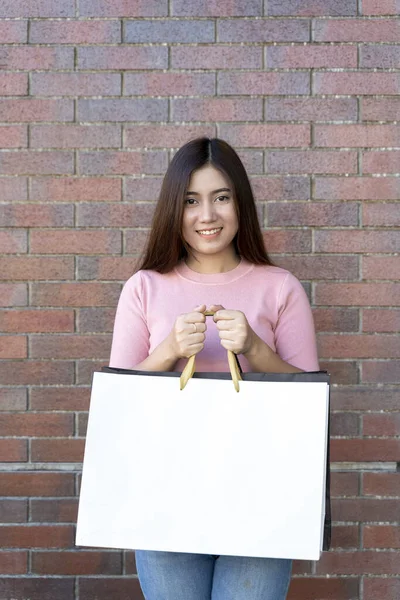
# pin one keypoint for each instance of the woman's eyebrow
(213, 192)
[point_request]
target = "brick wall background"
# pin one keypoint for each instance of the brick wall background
(95, 95)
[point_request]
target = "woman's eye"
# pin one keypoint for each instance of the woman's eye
(190, 201)
(222, 198)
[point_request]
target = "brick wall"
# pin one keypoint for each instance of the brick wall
(95, 95)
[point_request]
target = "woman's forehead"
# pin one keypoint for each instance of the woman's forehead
(208, 179)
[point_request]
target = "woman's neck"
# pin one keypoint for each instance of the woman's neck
(213, 263)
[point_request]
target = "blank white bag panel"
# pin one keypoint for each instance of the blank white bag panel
(206, 469)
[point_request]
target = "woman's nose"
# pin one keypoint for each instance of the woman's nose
(207, 212)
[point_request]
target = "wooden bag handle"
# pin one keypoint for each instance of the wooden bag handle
(190, 367)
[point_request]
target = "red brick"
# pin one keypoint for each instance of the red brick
(341, 372)
(44, 8)
(381, 587)
(381, 425)
(155, 83)
(75, 32)
(31, 109)
(37, 372)
(266, 136)
(86, 368)
(82, 424)
(281, 188)
(359, 346)
(310, 8)
(62, 450)
(358, 294)
(379, 57)
(14, 188)
(312, 162)
(115, 215)
(106, 268)
(311, 109)
(13, 242)
(70, 346)
(81, 562)
(75, 294)
(76, 189)
(311, 57)
(364, 450)
(135, 240)
(37, 321)
(357, 563)
(56, 510)
(285, 214)
(365, 398)
(13, 511)
(263, 30)
(142, 189)
(13, 399)
(122, 163)
(287, 241)
(253, 160)
(263, 83)
(122, 8)
(59, 398)
(381, 214)
(357, 241)
(164, 136)
(214, 8)
(381, 372)
(28, 162)
(345, 537)
(13, 294)
(38, 588)
(31, 268)
(13, 136)
(216, 57)
(320, 267)
(358, 188)
(37, 425)
(12, 450)
(12, 84)
(328, 589)
(380, 109)
(357, 30)
(122, 57)
(381, 484)
(37, 484)
(13, 563)
(379, 8)
(96, 320)
(37, 536)
(381, 161)
(76, 84)
(360, 84)
(381, 267)
(217, 109)
(40, 215)
(13, 32)
(345, 424)
(76, 136)
(385, 320)
(123, 110)
(357, 136)
(336, 319)
(75, 242)
(30, 58)
(169, 31)
(344, 484)
(13, 346)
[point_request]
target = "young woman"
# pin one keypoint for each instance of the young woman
(206, 253)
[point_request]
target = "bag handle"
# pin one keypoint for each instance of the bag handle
(190, 366)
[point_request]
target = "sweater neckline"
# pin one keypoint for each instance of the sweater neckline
(240, 270)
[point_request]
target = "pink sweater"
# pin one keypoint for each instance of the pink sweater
(272, 299)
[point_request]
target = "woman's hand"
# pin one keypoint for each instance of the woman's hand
(188, 334)
(234, 330)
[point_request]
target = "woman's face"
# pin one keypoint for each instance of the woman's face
(210, 221)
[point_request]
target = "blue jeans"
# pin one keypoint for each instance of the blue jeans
(181, 576)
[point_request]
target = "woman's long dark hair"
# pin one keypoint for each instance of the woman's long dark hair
(165, 246)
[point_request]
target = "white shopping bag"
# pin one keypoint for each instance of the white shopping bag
(206, 469)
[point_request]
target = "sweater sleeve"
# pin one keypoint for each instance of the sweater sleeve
(294, 332)
(130, 344)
